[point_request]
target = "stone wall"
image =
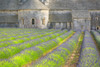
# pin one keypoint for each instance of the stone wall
(81, 20)
(60, 16)
(75, 4)
(25, 18)
(63, 25)
(81, 24)
(80, 14)
(9, 19)
(60, 19)
(95, 19)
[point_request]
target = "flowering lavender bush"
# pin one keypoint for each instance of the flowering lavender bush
(89, 54)
(7, 32)
(58, 57)
(33, 53)
(12, 50)
(25, 39)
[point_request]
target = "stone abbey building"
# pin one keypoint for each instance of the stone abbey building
(56, 14)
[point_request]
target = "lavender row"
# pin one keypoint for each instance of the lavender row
(15, 32)
(89, 54)
(59, 56)
(33, 53)
(14, 49)
(25, 39)
(22, 36)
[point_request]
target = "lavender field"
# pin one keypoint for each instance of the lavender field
(49, 48)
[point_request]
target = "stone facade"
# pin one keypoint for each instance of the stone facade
(9, 19)
(81, 19)
(26, 17)
(24, 14)
(57, 14)
(95, 19)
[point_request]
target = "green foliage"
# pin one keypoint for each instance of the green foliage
(29, 55)
(59, 38)
(59, 56)
(10, 51)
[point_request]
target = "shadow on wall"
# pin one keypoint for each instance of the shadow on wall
(54, 25)
(9, 25)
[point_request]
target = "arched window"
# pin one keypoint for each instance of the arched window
(33, 21)
(97, 28)
(43, 21)
(22, 21)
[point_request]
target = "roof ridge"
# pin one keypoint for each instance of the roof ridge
(35, 5)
